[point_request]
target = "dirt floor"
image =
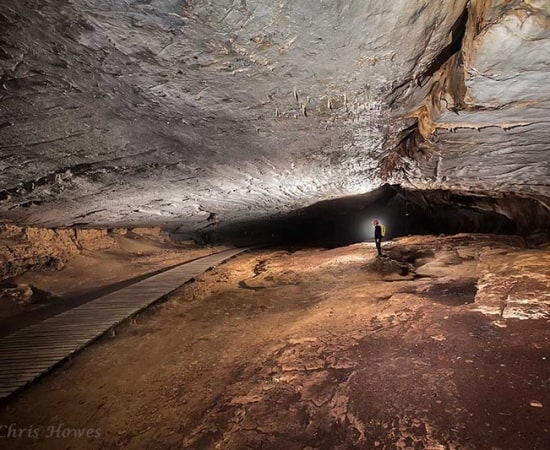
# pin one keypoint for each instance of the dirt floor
(103, 265)
(443, 344)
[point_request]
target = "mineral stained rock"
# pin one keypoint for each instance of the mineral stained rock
(164, 112)
(39, 249)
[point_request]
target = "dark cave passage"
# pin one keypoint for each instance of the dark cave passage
(404, 212)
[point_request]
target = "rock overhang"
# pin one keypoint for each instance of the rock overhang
(163, 112)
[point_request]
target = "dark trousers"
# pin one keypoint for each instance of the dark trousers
(378, 245)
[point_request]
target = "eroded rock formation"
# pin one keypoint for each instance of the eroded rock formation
(168, 111)
(486, 116)
(31, 248)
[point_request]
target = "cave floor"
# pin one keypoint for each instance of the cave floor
(443, 344)
(121, 261)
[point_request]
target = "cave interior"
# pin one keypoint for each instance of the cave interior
(142, 138)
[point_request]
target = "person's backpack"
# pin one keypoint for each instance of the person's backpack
(383, 230)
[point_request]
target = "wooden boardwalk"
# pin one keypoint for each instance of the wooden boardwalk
(33, 351)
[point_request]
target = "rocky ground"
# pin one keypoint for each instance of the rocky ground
(442, 344)
(45, 271)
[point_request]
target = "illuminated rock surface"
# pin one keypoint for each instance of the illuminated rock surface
(162, 112)
(443, 344)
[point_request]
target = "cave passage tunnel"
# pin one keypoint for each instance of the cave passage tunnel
(187, 197)
(403, 212)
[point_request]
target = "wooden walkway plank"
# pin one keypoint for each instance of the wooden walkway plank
(31, 352)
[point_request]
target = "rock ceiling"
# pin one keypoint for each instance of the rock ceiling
(164, 111)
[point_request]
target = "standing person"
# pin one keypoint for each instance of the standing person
(378, 236)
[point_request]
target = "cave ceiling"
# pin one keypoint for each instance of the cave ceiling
(162, 112)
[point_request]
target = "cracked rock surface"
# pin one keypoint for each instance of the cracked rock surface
(324, 349)
(163, 112)
(485, 118)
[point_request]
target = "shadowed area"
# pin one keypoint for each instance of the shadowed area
(403, 212)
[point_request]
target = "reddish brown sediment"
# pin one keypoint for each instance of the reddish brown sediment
(442, 344)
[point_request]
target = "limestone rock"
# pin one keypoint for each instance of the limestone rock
(167, 113)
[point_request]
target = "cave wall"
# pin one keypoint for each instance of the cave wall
(485, 122)
(25, 249)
